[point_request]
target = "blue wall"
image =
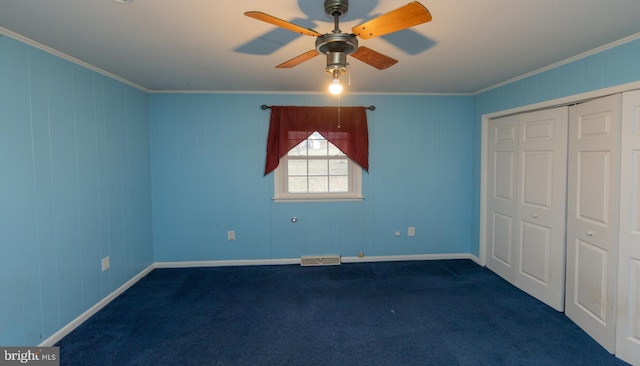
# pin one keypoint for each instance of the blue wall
(614, 66)
(208, 154)
(74, 187)
(89, 165)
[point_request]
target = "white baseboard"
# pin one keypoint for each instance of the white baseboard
(263, 262)
(226, 263)
(415, 257)
(57, 336)
(94, 309)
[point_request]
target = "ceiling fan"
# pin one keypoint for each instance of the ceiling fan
(337, 44)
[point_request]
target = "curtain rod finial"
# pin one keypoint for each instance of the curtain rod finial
(264, 106)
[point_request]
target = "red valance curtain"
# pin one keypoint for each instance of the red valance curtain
(345, 127)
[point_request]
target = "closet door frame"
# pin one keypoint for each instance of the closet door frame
(486, 117)
(484, 153)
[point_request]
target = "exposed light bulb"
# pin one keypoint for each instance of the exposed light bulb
(335, 87)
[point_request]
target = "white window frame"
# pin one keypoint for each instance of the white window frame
(281, 193)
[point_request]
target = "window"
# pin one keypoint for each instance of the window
(317, 153)
(316, 169)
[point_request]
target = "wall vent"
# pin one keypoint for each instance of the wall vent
(330, 260)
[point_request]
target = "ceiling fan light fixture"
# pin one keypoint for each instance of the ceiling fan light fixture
(336, 66)
(335, 87)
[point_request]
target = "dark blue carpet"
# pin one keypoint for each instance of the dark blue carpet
(450, 312)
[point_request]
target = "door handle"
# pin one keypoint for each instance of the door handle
(535, 215)
(589, 233)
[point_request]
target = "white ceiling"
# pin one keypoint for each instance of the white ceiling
(210, 45)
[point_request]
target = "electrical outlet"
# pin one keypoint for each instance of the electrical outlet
(106, 263)
(411, 231)
(231, 235)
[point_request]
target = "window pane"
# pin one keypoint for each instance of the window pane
(334, 151)
(317, 147)
(318, 167)
(297, 184)
(338, 167)
(339, 183)
(318, 184)
(297, 167)
(299, 150)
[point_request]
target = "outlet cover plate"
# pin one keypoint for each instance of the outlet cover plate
(106, 263)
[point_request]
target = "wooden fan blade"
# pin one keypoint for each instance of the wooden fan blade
(298, 60)
(402, 18)
(281, 23)
(373, 58)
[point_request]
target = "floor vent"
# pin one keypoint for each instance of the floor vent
(332, 260)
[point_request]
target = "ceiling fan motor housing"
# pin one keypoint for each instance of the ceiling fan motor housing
(337, 42)
(336, 46)
(336, 63)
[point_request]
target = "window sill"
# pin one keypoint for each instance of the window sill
(319, 199)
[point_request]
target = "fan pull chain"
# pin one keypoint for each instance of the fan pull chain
(339, 126)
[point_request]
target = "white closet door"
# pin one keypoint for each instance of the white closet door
(502, 196)
(592, 217)
(628, 324)
(526, 202)
(540, 229)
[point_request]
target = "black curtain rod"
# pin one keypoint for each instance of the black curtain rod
(371, 107)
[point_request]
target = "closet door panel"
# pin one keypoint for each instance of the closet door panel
(502, 196)
(592, 217)
(536, 245)
(526, 202)
(628, 316)
(541, 210)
